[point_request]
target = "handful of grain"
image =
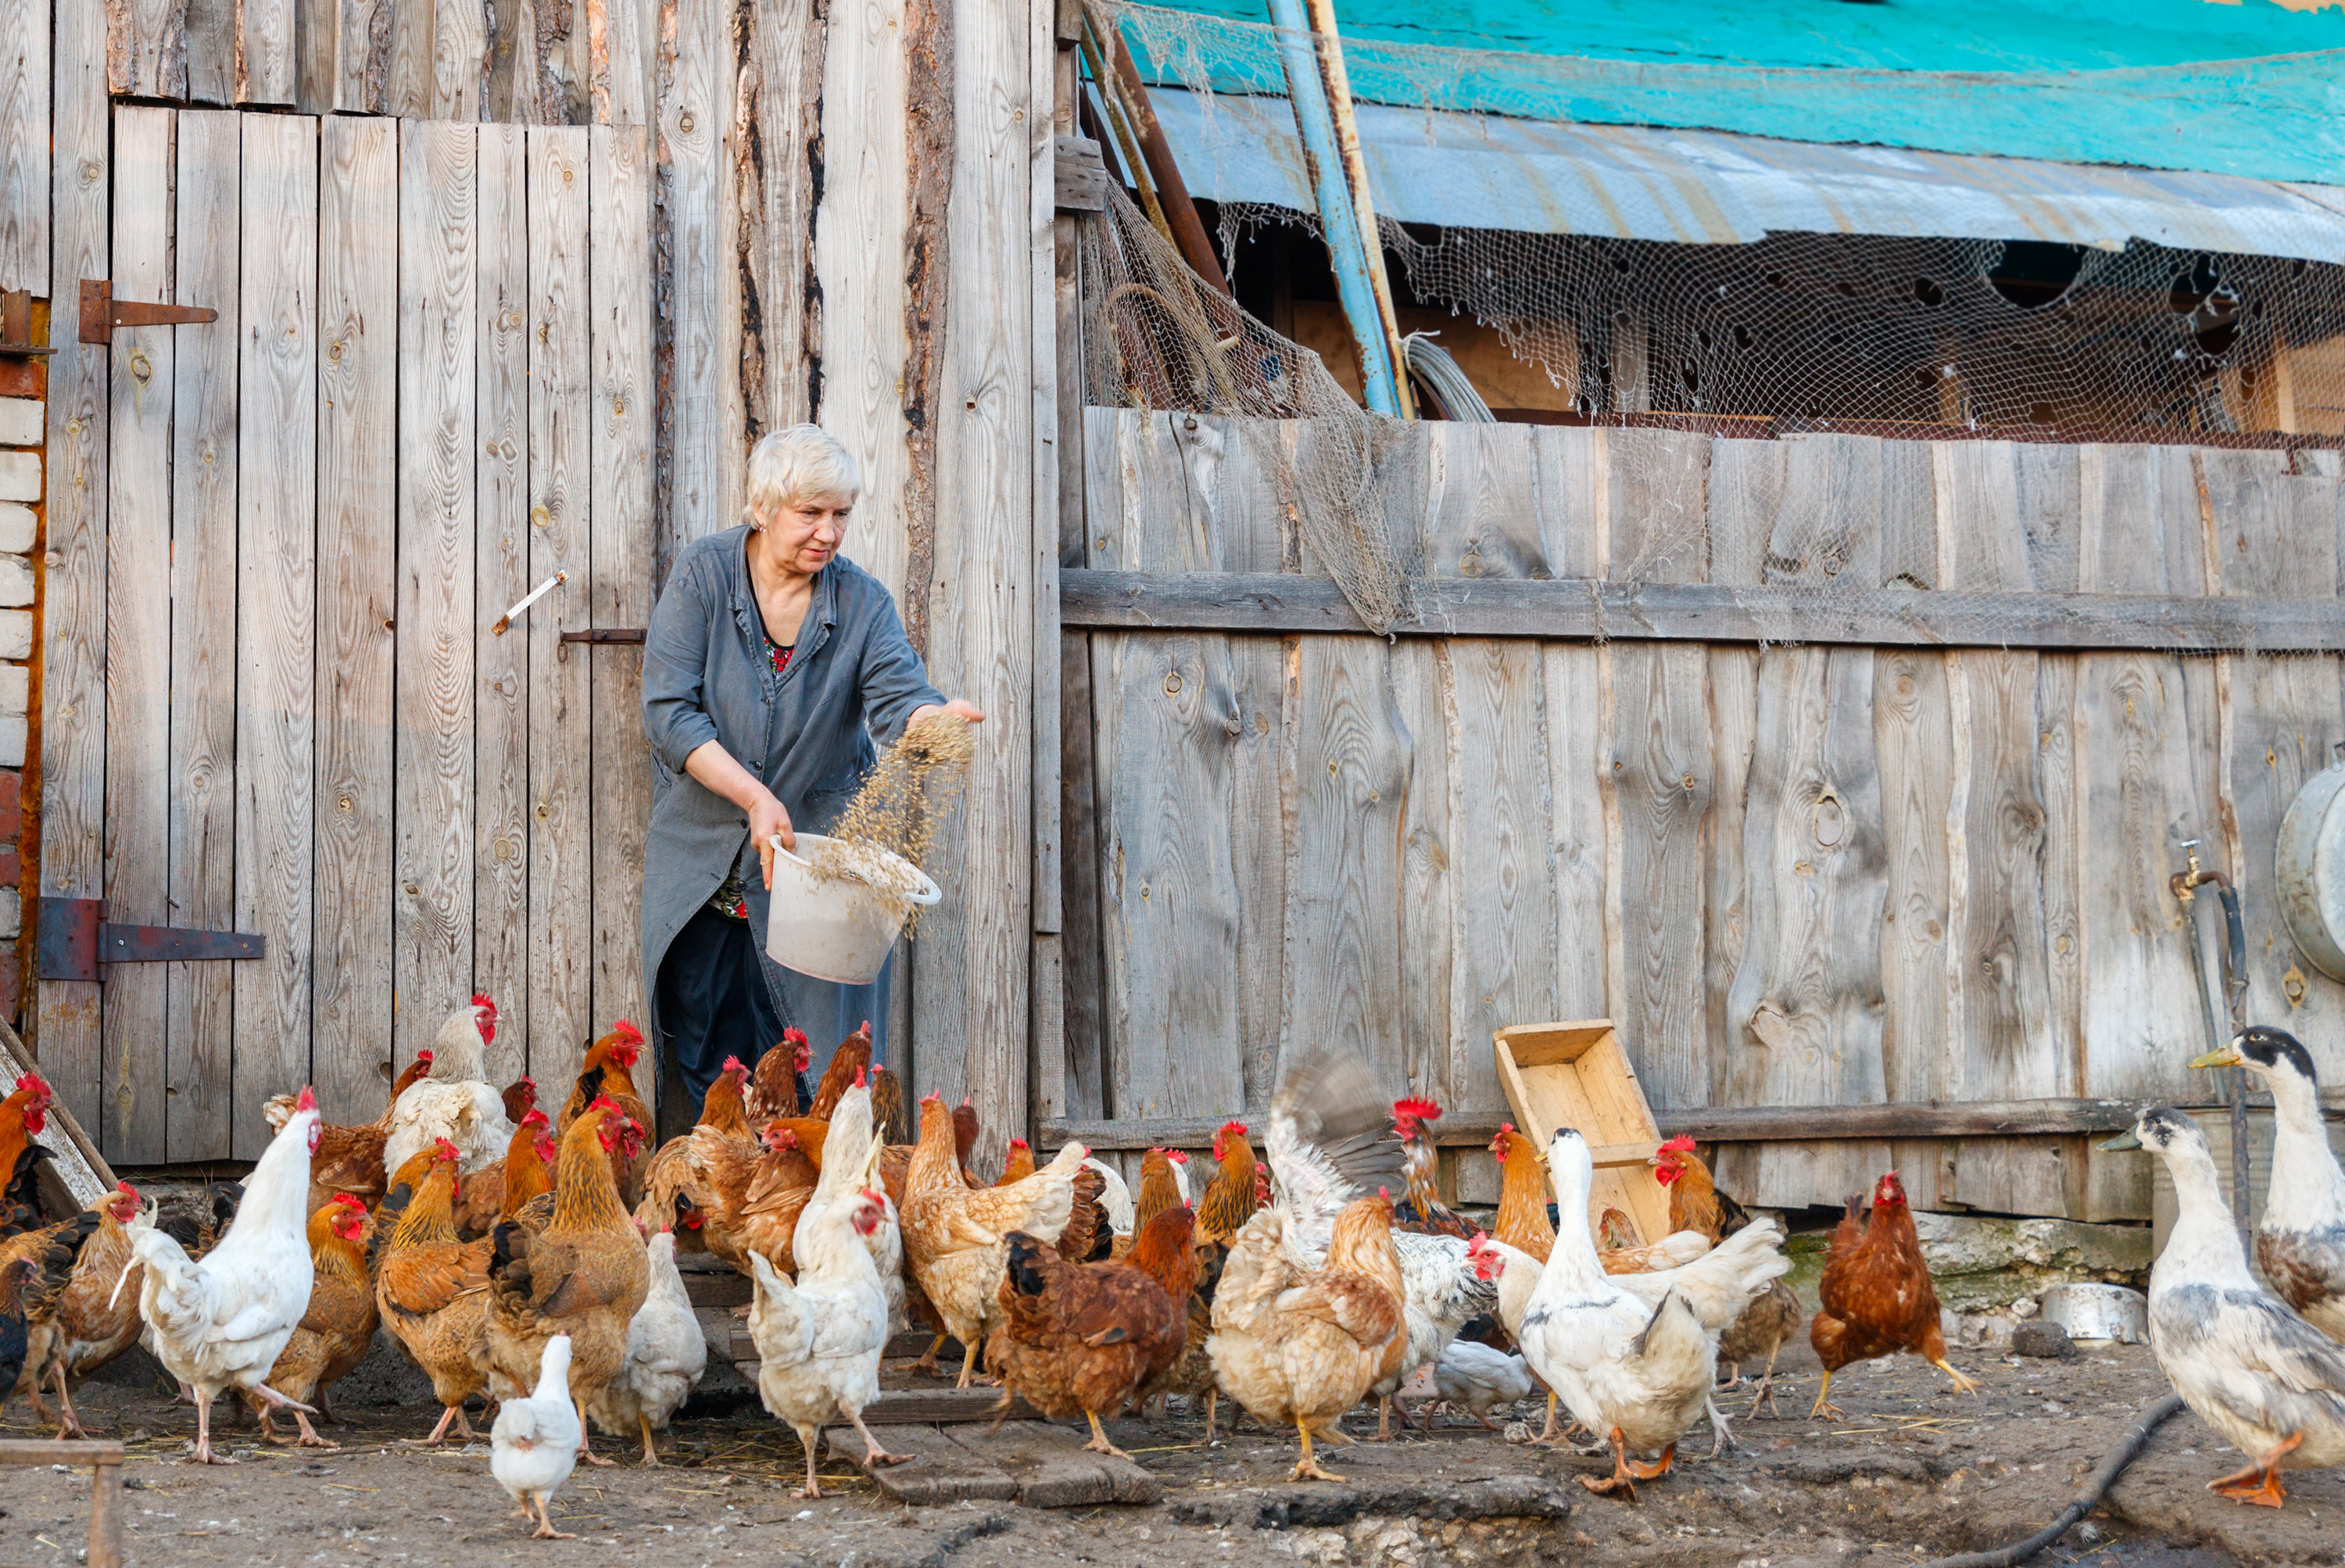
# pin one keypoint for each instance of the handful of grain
(887, 829)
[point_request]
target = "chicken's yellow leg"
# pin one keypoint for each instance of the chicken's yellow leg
(968, 1364)
(1825, 1407)
(1307, 1468)
(644, 1421)
(585, 1435)
(1098, 1444)
(1962, 1385)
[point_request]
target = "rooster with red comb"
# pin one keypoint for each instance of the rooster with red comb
(455, 1100)
(1422, 1211)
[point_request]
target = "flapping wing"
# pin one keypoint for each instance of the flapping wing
(1330, 1139)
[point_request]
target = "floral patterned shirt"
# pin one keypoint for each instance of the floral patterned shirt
(731, 897)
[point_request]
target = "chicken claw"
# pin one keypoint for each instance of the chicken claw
(545, 1531)
(1307, 1468)
(1098, 1444)
(1623, 1479)
(873, 1455)
(1962, 1385)
(1824, 1409)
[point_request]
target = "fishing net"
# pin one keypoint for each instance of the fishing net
(886, 832)
(1928, 341)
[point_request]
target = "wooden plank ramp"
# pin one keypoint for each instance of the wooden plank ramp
(1029, 1461)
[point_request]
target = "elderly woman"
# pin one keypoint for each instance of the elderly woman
(770, 664)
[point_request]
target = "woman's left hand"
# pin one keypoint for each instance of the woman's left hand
(958, 707)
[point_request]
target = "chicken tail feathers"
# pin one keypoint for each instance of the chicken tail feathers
(1028, 1273)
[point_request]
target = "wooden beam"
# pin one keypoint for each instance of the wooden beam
(1726, 1125)
(1565, 610)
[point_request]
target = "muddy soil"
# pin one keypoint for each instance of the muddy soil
(1913, 1471)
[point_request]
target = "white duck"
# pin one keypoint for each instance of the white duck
(2300, 1239)
(666, 1353)
(454, 1100)
(1633, 1370)
(535, 1444)
(2268, 1381)
(221, 1322)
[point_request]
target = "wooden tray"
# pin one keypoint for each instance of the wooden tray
(1577, 1075)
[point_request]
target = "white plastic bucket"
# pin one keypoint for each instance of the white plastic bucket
(838, 929)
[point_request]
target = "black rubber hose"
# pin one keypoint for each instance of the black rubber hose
(2136, 1438)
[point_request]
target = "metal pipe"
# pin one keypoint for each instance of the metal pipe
(1338, 84)
(1172, 191)
(1338, 224)
(2185, 885)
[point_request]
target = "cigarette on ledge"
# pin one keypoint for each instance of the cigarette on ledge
(504, 622)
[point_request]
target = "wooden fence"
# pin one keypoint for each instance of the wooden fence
(275, 704)
(1825, 874)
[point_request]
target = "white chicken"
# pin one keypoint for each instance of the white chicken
(819, 1338)
(1633, 1356)
(221, 1322)
(666, 1353)
(1478, 1378)
(535, 1444)
(454, 1100)
(1115, 1196)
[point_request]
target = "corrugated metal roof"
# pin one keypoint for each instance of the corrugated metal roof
(1716, 188)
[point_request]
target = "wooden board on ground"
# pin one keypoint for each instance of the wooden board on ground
(1036, 1463)
(1576, 1075)
(83, 1174)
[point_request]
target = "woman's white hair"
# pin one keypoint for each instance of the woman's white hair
(789, 467)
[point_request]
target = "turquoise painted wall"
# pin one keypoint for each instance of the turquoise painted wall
(2251, 89)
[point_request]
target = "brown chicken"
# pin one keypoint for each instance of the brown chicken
(431, 1288)
(1159, 1190)
(53, 1250)
(1522, 1222)
(1422, 1210)
(956, 1239)
(774, 1086)
(1229, 1199)
(1303, 1346)
(1877, 1296)
(1087, 1239)
(1697, 1205)
(608, 1071)
(1090, 1336)
(520, 1098)
(889, 1118)
(24, 1114)
(94, 1323)
(705, 1173)
(488, 1196)
(849, 1066)
(338, 1329)
(757, 1210)
(584, 1275)
(1020, 1164)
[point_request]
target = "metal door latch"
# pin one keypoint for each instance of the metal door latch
(101, 313)
(74, 938)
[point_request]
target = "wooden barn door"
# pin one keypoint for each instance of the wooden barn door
(428, 389)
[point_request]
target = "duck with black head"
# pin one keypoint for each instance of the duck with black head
(2300, 1239)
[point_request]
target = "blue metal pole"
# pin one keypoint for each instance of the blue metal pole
(1338, 223)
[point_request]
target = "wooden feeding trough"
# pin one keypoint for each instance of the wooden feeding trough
(1576, 1075)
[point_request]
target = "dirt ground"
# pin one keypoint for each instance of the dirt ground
(1914, 1471)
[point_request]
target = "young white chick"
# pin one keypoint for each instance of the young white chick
(1478, 1378)
(535, 1441)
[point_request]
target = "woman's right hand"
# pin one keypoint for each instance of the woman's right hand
(767, 818)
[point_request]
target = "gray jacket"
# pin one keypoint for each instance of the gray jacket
(806, 733)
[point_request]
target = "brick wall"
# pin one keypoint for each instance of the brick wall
(21, 417)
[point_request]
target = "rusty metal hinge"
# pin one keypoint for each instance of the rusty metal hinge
(73, 938)
(101, 313)
(16, 324)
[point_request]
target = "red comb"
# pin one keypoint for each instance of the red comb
(308, 1101)
(1178, 1156)
(444, 1149)
(733, 1064)
(603, 1103)
(1680, 1145)
(481, 999)
(793, 1038)
(1417, 1110)
(31, 1083)
(627, 1033)
(347, 1201)
(1018, 1142)
(536, 1118)
(424, 1055)
(1234, 1127)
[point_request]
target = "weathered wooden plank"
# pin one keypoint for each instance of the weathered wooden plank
(73, 623)
(358, 598)
(1351, 768)
(267, 70)
(859, 253)
(1660, 764)
(701, 417)
(619, 353)
(210, 51)
(1476, 525)
(439, 317)
(973, 387)
(1420, 705)
(202, 777)
(1259, 675)
(25, 43)
(501, 468)
(775, 154)
(1499, 882)
(1576, 610)
(145, 46)
(561, 697)
(277, 615)
(1722, 1124)
(138, 639)
(1170, 893)
(619, 52)
(1083, 936)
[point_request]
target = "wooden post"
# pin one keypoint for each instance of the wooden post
(106, 1509)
